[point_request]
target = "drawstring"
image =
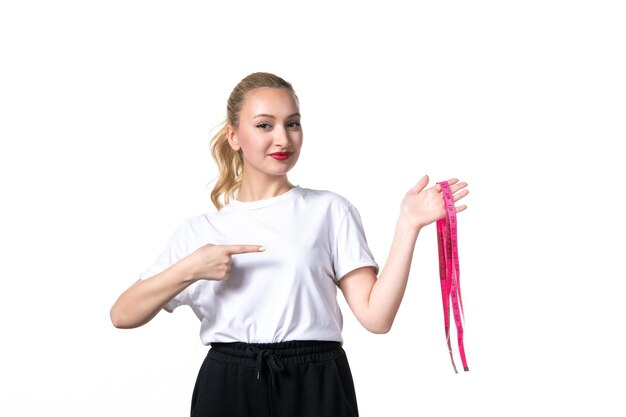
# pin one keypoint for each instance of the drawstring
(276, 355)
(273, 363)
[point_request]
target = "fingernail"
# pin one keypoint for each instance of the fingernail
(262, 249)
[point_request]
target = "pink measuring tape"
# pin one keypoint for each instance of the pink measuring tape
(449, 273)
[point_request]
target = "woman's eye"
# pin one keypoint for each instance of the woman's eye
(293, 125)
(263, 125)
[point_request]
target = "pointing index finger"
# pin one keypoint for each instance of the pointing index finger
(237, 249)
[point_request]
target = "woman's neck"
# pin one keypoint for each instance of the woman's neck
(261, 190)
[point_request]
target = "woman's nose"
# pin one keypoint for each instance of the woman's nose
(281, 136)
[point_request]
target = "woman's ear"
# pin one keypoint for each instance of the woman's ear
(232, 138)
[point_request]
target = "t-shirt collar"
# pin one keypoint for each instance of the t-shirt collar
(249, 205)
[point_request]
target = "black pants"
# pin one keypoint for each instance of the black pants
(289, 379)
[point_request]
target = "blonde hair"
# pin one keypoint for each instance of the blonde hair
(230, 162)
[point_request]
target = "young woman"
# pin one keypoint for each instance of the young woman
(262, 272)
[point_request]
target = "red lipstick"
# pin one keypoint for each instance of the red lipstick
(280, 156)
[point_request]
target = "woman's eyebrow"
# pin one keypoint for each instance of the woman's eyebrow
(273, 117)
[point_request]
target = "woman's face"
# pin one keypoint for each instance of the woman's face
(269, 122)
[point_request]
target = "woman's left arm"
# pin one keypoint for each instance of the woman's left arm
(376, 300)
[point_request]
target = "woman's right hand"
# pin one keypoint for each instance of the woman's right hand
(213, 262)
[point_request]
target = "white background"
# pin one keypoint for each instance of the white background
(106, 112)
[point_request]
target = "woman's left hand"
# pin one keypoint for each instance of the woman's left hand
(422, 206)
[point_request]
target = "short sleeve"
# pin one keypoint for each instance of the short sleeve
(175, 249)
(351, 250)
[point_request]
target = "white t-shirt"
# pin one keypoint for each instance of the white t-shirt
(289, 292)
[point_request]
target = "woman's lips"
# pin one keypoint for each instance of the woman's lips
(280, 156)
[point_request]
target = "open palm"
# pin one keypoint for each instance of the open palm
(422, 206)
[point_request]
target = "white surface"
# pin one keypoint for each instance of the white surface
(107, 109)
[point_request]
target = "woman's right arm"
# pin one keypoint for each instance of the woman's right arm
(146, 297)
